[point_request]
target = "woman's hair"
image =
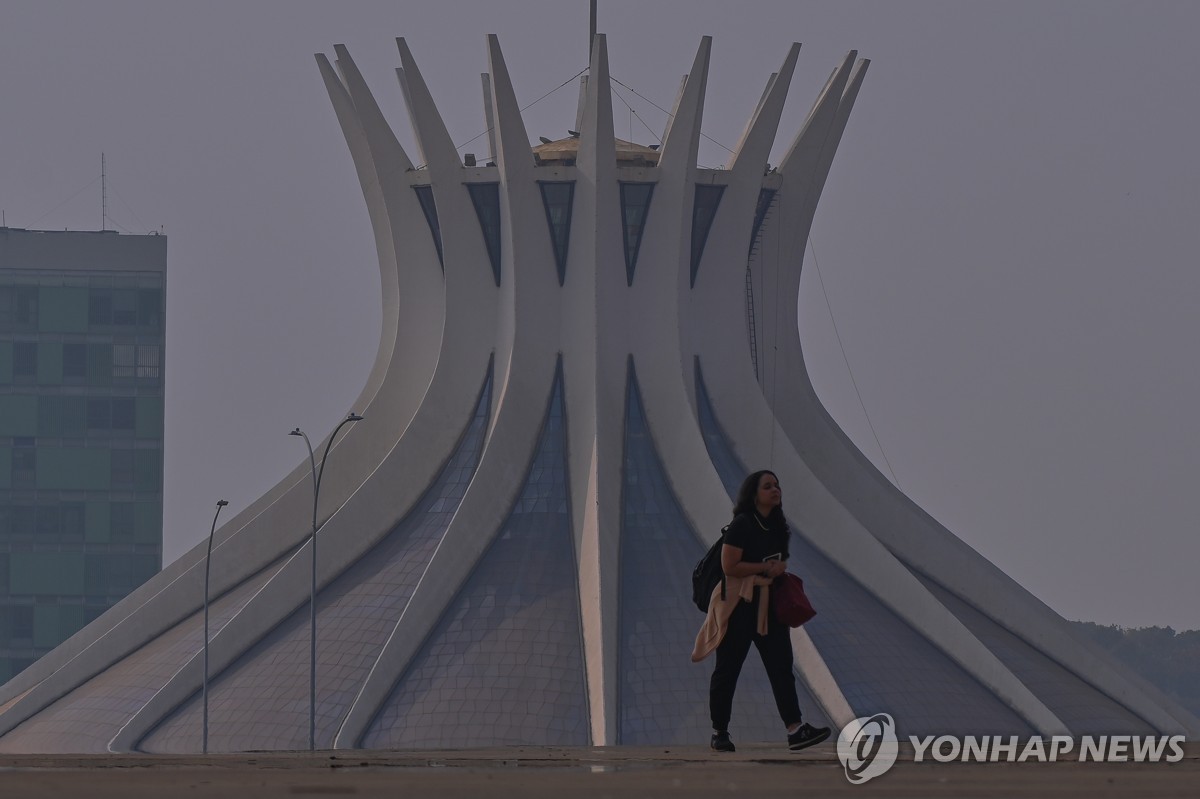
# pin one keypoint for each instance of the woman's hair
(749, 490)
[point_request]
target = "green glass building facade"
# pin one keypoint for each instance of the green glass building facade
(82, 336)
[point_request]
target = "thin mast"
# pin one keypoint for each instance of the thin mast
(591, 29)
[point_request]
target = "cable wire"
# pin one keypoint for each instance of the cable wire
(128, 207)
(486, 131)
(639, 117)
(64, 202)
(846, 360)
(668, 113)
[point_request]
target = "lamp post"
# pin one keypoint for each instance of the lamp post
(207, 563)
(312, 599)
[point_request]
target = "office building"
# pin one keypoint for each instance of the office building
(81, 430)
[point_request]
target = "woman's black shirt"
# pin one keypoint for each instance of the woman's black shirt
(746, 532)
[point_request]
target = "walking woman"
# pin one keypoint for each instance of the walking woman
(756, 545)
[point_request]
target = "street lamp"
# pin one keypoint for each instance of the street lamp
(312, 598)
(207, 563)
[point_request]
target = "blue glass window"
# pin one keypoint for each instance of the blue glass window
(128, 684)
(557, 197)
(260, 701)
(635, 204)
(729, 467)
(704, 210)
(486, 197)
(425, 197)
(1080, 706)
(505, 664)
(882, 664)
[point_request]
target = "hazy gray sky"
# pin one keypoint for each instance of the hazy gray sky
(1008, 239)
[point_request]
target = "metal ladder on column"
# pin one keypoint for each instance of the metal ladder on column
(750, 325)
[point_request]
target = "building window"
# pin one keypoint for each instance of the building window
(25, 307)
(23, 521)
(425, 197)
(24, 464)
(147, 470)
(557, 198)
(635, 205)
(62, 417)
(124, 307)
(122, 413)
(49, 521)
(99, 416)
(122, 360)
(99, 367)
(140, 360)
(148, 360)
(121, 521)
(8, 301)
(704, 210)
(100, 307)
(486, 197)
(21, 617)
(24, 359)
(74, 361)
(121, 461)
(95, 577)
(73, 521)
(149, 311)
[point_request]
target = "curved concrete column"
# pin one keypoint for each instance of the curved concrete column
(595, 277)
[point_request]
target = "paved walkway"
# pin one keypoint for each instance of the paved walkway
(623, 772)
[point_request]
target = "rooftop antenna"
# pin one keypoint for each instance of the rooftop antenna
(103, 196)
(591, 28)
(583, 79)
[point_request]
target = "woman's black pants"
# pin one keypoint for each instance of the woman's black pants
(775, 649)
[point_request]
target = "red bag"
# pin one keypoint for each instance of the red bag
(789, 602)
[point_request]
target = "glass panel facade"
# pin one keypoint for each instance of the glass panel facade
(635, 205)
(81, 389)
(486, 197)
(558, 197)
(1084, 709)
(261, 701)
(704, 210)
(663, 697)
(884, 665)
(429, 207)
(729, 467)
(87, 718)
(504, 666)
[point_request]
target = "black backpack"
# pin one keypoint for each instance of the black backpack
(708, 573)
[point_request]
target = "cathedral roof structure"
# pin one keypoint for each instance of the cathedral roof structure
(584, 349)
